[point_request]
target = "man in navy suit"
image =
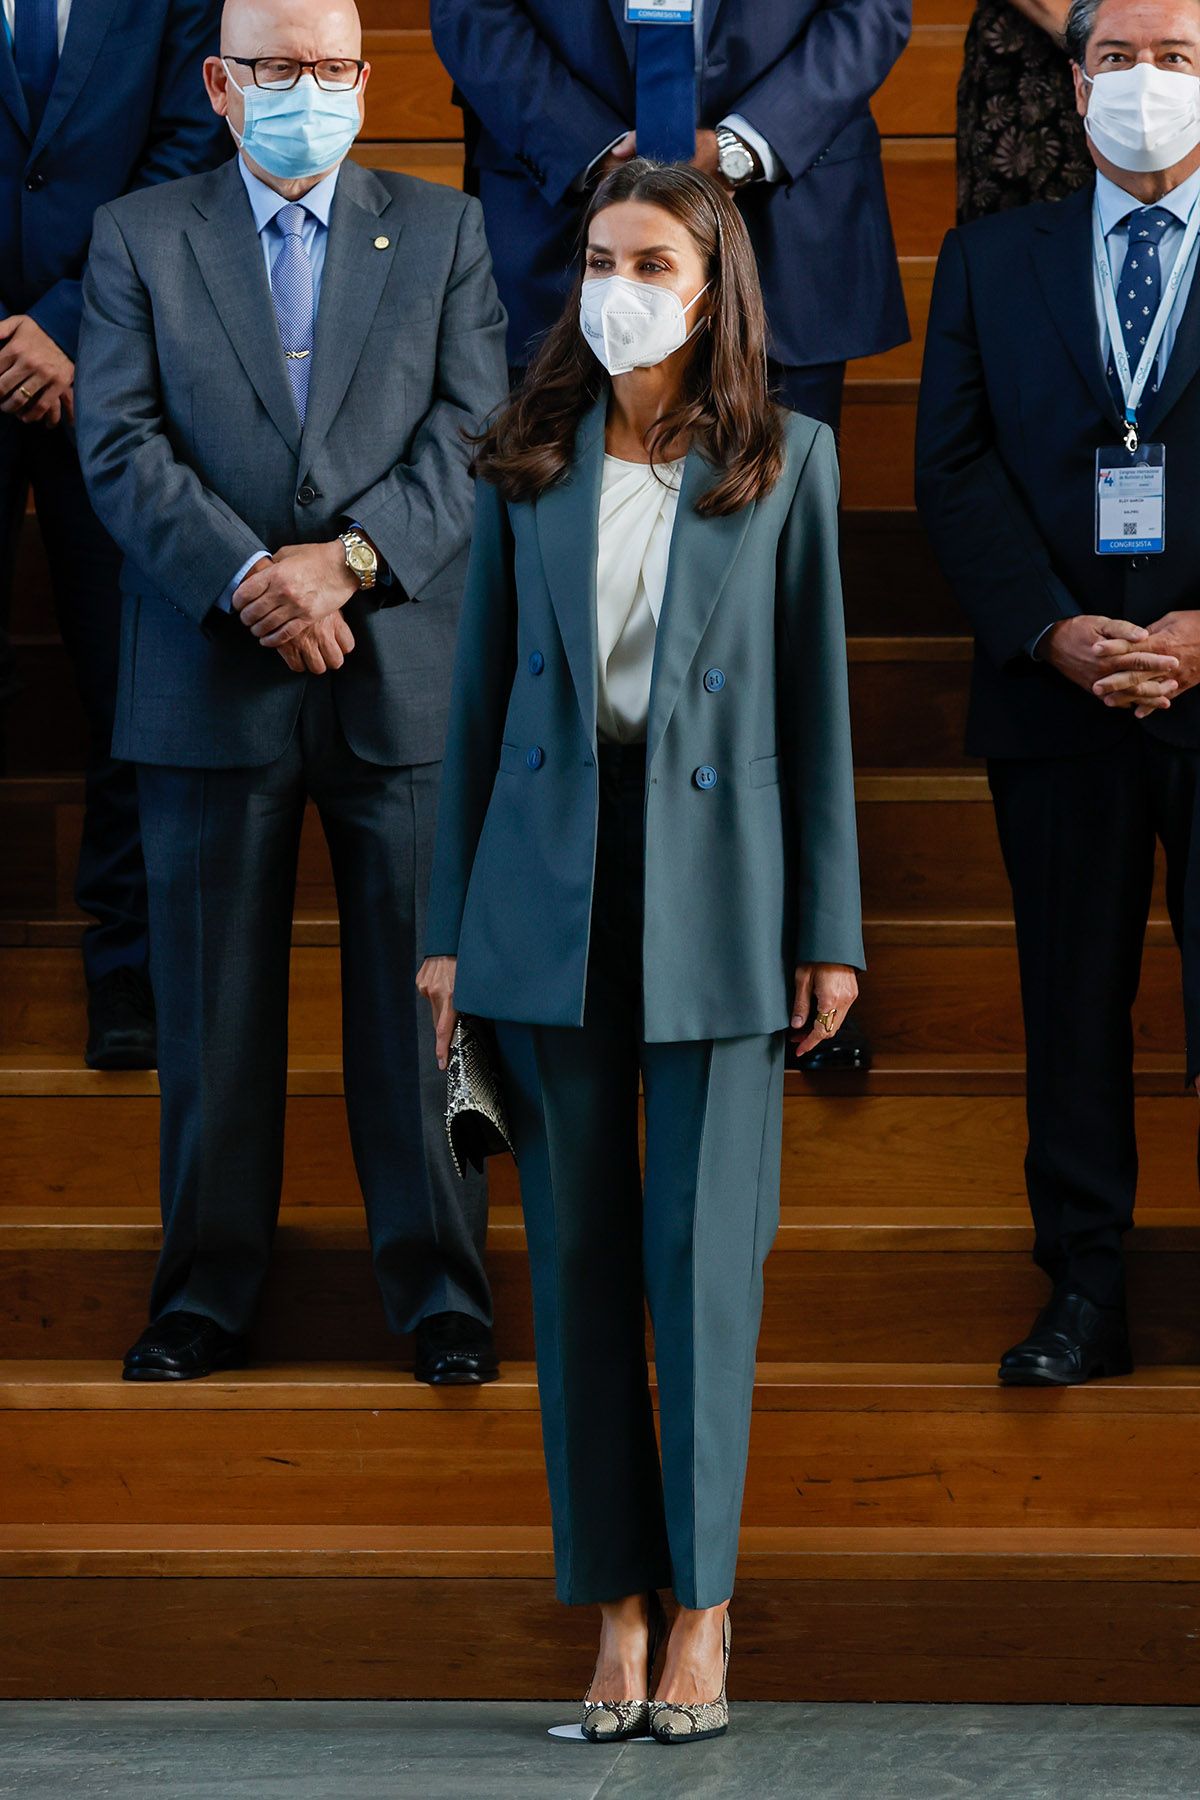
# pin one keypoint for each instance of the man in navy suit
(97, 97)
(770, 95)
(1040, 469)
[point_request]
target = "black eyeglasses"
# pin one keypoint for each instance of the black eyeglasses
(329, 72)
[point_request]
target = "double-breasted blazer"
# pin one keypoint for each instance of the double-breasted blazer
(751, 853)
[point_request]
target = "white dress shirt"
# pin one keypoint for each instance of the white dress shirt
(637, 516)
(1112, 207)
(64, 13)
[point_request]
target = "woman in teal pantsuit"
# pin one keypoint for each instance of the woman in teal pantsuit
(646, 868)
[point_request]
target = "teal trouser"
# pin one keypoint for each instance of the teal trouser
(692, 1240)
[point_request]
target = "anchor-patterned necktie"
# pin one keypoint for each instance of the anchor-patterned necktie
(1139, 291)
(292, 292)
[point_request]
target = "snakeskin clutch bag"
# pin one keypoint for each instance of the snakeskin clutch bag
(476, 1124)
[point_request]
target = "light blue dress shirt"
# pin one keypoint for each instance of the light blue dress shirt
(1112, 206)
(265, 203)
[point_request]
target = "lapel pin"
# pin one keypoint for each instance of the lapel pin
(381, 243)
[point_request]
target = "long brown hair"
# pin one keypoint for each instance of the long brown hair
(724, 407)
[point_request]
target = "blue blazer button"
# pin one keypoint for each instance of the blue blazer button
(705, 776)
(536, 757)
(714, 680)
(537, 663)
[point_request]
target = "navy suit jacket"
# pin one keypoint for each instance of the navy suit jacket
(128, 109)
(1014, 405)
(546, 86)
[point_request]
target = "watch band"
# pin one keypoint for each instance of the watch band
(368, 573)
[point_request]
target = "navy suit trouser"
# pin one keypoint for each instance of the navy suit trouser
(1079, 836)
(690, 1237)
(84, 570)
(814, 390)
(222, 848)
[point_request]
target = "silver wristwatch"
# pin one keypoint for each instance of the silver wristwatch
(736, 161)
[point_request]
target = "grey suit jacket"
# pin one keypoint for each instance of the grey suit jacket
(194, 454)
(746, 875)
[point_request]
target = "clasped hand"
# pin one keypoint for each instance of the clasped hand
(292, 602)
(37, 379)
(1134, 667)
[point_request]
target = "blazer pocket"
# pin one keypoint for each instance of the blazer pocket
(764, 771)
(512, 759)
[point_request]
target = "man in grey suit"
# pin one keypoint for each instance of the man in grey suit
(277, 366)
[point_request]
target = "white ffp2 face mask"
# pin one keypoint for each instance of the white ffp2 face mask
(631, 324)
(1143, 118)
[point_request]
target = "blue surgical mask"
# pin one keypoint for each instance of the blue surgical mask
(300, 131)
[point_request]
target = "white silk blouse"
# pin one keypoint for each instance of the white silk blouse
(637, 516)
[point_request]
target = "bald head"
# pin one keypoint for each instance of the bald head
(304, 28)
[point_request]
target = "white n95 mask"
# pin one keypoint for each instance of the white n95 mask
(1143, 118)
(632, 324)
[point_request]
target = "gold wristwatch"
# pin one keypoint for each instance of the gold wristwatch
(361, 559)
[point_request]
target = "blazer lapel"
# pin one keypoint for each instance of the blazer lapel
(227, 248)
(702, 554)
(11, 92)
(85, 33)
(567, 523)
(1061, 249)
(1183, 364)
(352, 284)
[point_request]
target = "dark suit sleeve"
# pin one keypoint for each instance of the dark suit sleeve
(814, 717)
(484, 667)
(825, 77)
(159, 511)
(185, 138)
(530, 101)
(982, 533)
(419, 515)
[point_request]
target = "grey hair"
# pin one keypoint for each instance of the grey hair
(1077, 32)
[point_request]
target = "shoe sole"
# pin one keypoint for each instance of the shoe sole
(690, 1737)
(1032, 1378)
(456, 1380)
(122, 1059)
(179, 1375)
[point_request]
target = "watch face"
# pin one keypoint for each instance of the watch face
(736, 162)
(360, 559)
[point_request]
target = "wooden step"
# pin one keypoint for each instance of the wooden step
(884, 1282)
(832, 1445)
(870, 1613)
(952, 989)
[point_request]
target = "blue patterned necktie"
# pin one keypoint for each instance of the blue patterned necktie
(35, 52)
(1139, 292)
(665, 117)
(292, 292)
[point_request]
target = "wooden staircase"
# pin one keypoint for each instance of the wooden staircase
(322, 1525)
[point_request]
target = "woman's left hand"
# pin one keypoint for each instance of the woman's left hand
(828, 989)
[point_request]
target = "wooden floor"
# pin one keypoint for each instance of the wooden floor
(321, 1525)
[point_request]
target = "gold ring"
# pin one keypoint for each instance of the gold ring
(825, 1020)
(26, 392)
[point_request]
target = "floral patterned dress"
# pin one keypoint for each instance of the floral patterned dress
(1019, 136)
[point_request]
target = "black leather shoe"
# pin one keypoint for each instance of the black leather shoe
(846, 1049)
(121, 1032)
(1072, 1341)
(454, 1349)
(181, 1346)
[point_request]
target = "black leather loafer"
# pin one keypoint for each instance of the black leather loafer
(454, 1349)
(121, 1029)
(1072, 1341)
(182, 1346)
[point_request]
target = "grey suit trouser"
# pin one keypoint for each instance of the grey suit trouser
(221, 851)
(691, 1238)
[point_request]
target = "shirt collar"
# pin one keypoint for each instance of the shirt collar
(1113, 203)
(265, 202)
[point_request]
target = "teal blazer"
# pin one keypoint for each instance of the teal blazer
(751, 853)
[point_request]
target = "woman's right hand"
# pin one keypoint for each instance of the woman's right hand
(435, 979)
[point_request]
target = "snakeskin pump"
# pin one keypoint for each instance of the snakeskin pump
(609, 1721)
(673, 1723)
